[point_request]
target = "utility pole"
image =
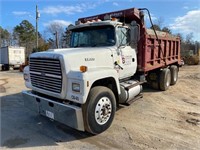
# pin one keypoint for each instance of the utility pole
(37, 17)
(57, 40)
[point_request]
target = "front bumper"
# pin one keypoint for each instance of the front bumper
(67, 114)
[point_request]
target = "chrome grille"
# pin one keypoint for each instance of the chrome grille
(46, 74)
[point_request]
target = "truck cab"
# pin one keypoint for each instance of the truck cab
(112, 36)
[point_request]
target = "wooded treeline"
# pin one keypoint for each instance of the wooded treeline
(24, 35)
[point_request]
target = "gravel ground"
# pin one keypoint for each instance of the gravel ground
(168, 120)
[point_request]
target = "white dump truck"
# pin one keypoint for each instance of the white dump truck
(110, 56)
(11, 57)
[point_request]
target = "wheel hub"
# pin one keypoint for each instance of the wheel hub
(103, 110)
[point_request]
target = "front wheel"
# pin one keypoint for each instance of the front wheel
(99, 110)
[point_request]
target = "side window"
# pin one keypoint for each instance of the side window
(122, 34)
(75, 39)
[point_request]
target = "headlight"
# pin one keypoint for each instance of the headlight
(75, 87)
(26, 77)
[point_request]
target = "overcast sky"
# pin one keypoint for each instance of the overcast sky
(181, 16)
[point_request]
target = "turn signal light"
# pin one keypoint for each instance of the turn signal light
(83, 68)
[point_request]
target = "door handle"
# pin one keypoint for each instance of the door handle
(118, 65)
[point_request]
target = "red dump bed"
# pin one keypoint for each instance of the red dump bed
(152, 53)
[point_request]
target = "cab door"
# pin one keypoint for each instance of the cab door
(124, 56)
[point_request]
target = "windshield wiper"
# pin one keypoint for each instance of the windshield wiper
(94, 45)
(81, 45)
(76, 46)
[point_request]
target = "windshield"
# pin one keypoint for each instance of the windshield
(93, 36)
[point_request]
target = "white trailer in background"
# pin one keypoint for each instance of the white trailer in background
(11, 57)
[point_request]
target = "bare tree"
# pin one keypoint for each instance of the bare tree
(5, 37)
(166, 29)
(187, 44)
(188, 38)
(160, 22)
(56, 31)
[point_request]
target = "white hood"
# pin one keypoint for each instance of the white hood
(73, 58)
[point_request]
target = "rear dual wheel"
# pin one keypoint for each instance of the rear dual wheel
(165, 79)
(174, 74)
(168, 77)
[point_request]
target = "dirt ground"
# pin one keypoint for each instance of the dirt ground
(167, 120)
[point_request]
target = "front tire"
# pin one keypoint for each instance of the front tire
(99, 110)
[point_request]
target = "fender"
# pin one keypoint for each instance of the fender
(87, 79)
